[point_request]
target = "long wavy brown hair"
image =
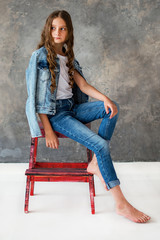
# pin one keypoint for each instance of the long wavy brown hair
(48, 42)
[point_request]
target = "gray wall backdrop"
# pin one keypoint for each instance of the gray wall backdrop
(117, 43)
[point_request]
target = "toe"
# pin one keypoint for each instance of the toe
(146, 218)
(143, 218)
(140, 219)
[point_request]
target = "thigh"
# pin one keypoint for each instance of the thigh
(90, 111)
(66, 124)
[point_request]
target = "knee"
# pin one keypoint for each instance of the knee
(102, 145)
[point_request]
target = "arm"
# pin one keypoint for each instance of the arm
(51, 138)
(92, 92)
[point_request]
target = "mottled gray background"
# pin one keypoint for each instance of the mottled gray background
(118, 46)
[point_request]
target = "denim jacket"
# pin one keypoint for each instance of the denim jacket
(40, 99)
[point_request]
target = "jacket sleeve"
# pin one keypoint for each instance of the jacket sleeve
(78, 95)
(78, 68)
(31, 80)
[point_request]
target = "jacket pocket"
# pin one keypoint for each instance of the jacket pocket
(43, 71)
(44, 74)
(42, 81)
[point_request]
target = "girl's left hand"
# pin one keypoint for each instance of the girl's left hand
(109, 104)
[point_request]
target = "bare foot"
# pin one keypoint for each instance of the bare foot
(94, 169)
(127, 210)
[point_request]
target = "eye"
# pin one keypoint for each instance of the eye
(52, 28)
(63, 28)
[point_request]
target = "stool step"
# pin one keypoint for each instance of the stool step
(58, 172)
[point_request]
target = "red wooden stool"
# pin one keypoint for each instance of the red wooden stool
(55, 171)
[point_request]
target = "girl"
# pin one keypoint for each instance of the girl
(58, 92)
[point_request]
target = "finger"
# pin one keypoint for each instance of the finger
(112, 113)
(47, 144)
(57, 145)
(54, 145)
(51, 145)
(57, 142)
(107, 110)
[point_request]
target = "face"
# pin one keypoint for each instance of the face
(59, 30)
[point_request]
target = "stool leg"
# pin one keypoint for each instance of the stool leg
(32, 188)
(89, 155)
(93, 186)
(91, 189)
(35, 150)
(27, 194)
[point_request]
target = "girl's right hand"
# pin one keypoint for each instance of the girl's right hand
(52, 140)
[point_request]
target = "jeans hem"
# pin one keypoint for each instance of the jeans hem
(112, 184)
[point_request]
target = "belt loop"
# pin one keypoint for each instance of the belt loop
(71, 102)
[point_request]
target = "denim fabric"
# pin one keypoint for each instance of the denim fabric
(38, 79)
(69, 120)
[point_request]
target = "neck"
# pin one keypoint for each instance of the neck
(58, 49)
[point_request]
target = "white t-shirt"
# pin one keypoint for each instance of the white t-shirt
(64, 90)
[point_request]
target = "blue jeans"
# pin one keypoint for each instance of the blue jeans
(70, 119)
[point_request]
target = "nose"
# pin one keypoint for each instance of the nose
(57, 31)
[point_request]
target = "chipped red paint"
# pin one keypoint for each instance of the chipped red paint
(56, 171)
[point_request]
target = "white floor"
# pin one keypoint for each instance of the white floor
(62, 210)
